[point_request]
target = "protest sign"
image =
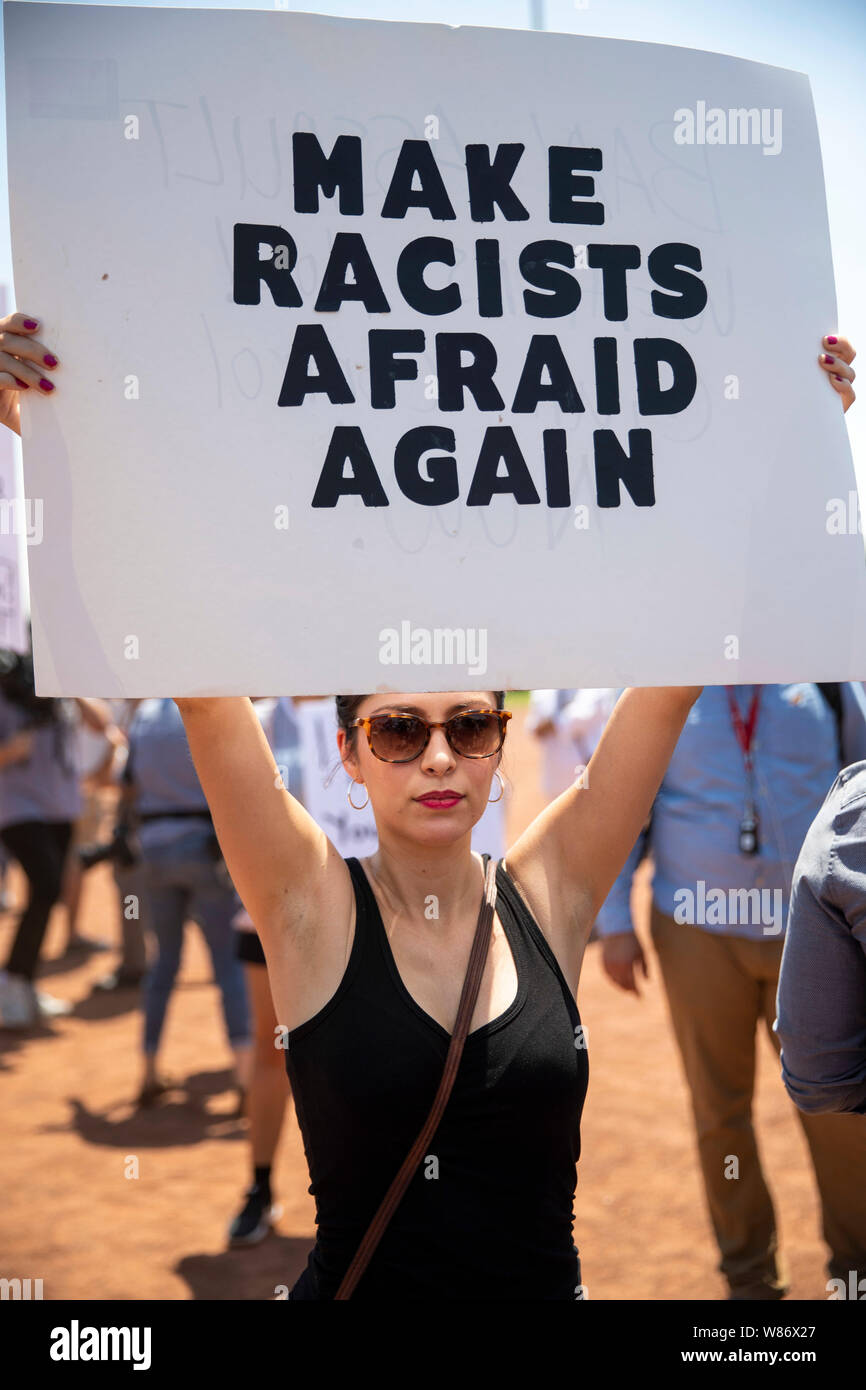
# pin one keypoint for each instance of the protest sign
(352, 832)
(408, 357)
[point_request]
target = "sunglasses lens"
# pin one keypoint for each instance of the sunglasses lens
(475, 735)
(396, 739)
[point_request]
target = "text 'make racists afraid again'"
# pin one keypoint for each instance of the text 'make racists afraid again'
(466, 362)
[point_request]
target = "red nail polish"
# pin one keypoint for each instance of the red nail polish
(832, 340)
(50, 360)
(46, 384)
(30, 323)
(828, 358)
(25, 385)
(837, 378)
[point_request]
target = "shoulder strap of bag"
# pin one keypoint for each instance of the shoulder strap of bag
(471, 985)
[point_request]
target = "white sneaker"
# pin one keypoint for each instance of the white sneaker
(18, 1008)
(49, 1006)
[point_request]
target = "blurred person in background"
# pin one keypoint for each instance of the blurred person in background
(568, 725)
(583, 720)
(183, 877)
(5, 895)
(749, 771)
(269, 1088)
(821, 1002)
(126, 867)
(95, 755)
(39, 804)
(557, 752)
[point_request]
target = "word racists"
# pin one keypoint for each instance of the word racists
(267, 254)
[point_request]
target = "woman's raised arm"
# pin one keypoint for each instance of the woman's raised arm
(279, 859)
(568, 858)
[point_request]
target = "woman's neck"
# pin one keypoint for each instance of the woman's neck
(435, 883)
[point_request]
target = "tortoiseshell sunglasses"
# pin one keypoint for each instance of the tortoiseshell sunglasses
(399, 738)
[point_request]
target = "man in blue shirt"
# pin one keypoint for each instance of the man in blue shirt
(748, 774)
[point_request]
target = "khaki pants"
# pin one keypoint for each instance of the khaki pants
(718, 989)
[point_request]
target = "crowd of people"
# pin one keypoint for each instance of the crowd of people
(87, 781)
(372, 969)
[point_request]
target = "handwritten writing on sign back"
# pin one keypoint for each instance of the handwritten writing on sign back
(457, 380)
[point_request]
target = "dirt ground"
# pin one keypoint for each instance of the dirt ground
(72, 1216)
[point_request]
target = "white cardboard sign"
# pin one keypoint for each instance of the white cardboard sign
(406, 357)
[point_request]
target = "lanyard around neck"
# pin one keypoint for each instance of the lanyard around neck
(744, 730)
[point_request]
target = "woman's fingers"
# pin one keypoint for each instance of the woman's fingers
(24, 360)
(19, 323)
(835, 369)
(838, 346)
(836, 366)
(834, 360)
(9, 382)
(844, 389)
(21, 376)
(28, 349)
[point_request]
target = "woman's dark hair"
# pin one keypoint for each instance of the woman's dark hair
(348, 706)
(18, 686)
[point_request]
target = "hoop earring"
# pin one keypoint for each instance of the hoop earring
(351, 802)
(492, 800)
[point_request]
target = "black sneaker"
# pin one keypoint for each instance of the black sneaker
(254, 1220)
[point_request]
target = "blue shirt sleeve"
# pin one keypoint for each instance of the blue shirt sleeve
(615, 913)
(821, 1000)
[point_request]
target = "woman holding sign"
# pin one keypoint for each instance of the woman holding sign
(368, 967)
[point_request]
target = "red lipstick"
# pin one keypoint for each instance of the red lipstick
(440, 801)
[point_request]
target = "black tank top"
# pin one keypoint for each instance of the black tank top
(488, 1214)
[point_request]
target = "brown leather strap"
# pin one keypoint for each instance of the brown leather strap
(471, 985)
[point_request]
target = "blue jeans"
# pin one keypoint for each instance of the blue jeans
(181, 879)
